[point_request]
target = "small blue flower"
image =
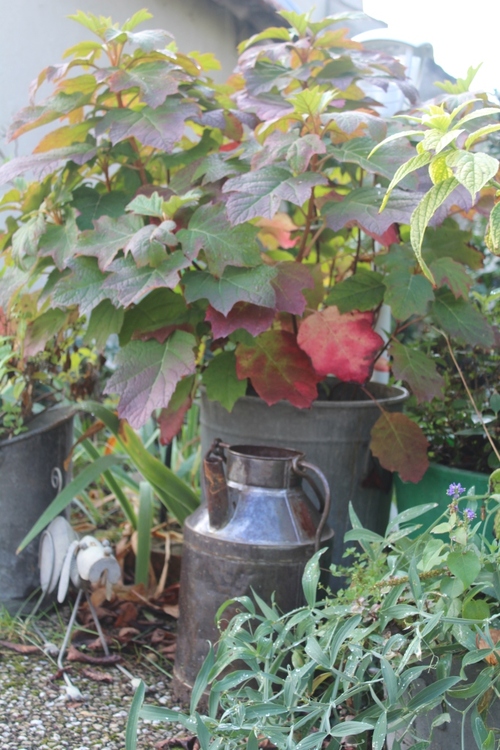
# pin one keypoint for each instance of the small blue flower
(455, 490)
(469, 514)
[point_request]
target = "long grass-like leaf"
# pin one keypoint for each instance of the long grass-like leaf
(176, 495)
(113, 485)
(133, 717)
(145, 523)
(63, 499)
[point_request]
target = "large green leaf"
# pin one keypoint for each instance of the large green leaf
(473, 170)
(108, 237)
(407, 293)
(162, 307)
(464, 565)
(424, 212)
(81, 286)
(235, 285)
(128, 283)
(449, 241)
(417, 370)
(363, 291)
(59, 241)
(460, 319)
(105, 319)
(221, 381)
(447, 271)
(222, 244)
(493, 233)
(400, 445)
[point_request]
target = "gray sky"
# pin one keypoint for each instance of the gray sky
(462, 33)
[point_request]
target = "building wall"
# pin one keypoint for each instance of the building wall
(35, 33)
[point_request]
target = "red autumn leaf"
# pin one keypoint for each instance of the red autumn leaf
(344, 345)
(96, 676)
(387, 238)
(171, 419)
(253, 318)
(400, 445)
(278, 369)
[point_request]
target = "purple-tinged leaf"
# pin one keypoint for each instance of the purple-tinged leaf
(156, 80)
(59, 242)
(221, 382)
(407, 293)
(107, 238)
(417, 370)
(147, 374)
(260, 194)
(43, 164)
(461, 320)
(128, 284)
(52, 109)
(351, 123)
(447, 271)
(266, 107)
(361, 207)
(265, 76)
(291, 279)
(81, 286)
(159, 128)
(235, 285)
(223, 245)
(302, 150)
(252, 318)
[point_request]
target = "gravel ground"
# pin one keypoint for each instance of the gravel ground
(36, 714)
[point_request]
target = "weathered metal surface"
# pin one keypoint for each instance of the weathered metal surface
(31, 474)
(271, 530)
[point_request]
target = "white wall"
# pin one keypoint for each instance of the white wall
(35, 33)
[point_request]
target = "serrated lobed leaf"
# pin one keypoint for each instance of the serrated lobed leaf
(363, 291)
(400, 445)
(473, 169)
(104, 320)
(407, 293)
(461, 320)
(235, 285)
(221, 381)
(43, 164)
(223, 244)
(81, 285)
(244, 315)
(289, 283)
(107, 238)
(159, 128)
(278, 369)
(59, 241)
(147, 374)
(447, 271)
(128, 283)
(361, 206)
(417, 370)
(156, 80)
(260, 193)
(161, 308)
(344, 345)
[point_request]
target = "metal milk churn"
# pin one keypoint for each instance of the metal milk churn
(256, 532)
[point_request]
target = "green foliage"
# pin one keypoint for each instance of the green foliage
(346, 665)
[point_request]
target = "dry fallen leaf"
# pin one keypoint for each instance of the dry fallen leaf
(481, 643)
(20, 648)
(93, 674)
(75, 655)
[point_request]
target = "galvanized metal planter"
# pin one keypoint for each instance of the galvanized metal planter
(31, 474)
(335, 435)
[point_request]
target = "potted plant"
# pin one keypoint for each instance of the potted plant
(406, 653)
(36, 427)
(231, 235)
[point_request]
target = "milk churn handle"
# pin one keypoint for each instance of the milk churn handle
(217, 449)
(301, 468)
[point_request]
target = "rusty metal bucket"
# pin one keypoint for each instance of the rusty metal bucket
(256, 533)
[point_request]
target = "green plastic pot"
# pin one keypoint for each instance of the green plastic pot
(432, 489)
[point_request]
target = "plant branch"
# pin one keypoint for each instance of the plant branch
(470, 396)
(311, 212)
